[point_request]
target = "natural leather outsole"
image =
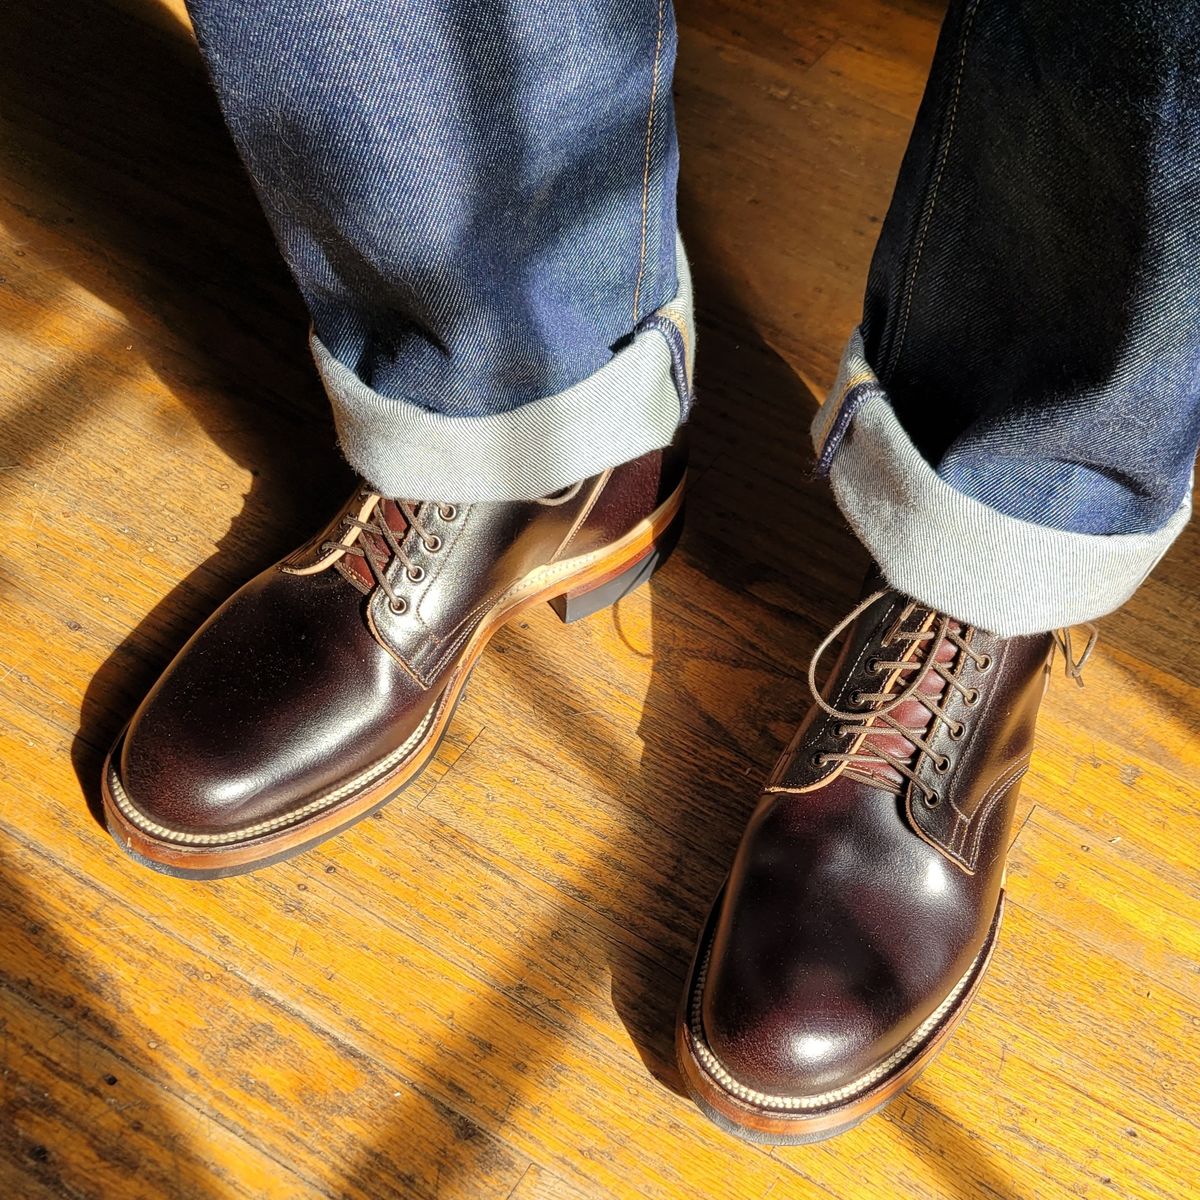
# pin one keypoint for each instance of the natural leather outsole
(774, 1125)
(606, 574)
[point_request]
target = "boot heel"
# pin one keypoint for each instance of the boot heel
(582, 602)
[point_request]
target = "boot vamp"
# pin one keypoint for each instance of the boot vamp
(281, 695)
(839, 933)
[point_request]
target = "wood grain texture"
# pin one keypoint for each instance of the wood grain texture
(472, 994)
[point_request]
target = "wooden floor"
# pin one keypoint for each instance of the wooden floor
(472, 995)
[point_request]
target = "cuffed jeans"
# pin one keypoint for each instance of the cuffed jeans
(477, 200)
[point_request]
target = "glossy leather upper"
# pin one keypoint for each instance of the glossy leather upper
(853, 907)
(306, 676)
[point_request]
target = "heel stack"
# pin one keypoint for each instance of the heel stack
(583, 601)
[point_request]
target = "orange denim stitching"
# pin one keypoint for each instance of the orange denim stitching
(637, 291)
(927, 219)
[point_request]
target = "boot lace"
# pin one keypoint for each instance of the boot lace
(375, 525)
(895, 730)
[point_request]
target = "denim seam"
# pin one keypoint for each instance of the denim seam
(671, 314)
(677, 340)
(637, 291)
(851, 397)
(680, 314)
(931, 203)
(854, 384)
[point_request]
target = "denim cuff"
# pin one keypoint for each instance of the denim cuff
(630, 406)
(953, 552)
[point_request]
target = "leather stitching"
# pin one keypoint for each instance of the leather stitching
(899, 1057)
(372, 774)
(581, 519)
(458, 529)
(998, 668)
(996, 793)
(968, 864)
(501, 594)
(423, 678)
(549, 572)
(457, 632)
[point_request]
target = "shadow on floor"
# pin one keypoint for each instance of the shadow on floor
(112, 130)
(73, 1091)
(113, 127)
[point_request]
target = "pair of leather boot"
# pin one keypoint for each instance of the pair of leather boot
(860, 912)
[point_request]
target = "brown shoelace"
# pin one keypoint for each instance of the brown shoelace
(376, 527)
(896, 730)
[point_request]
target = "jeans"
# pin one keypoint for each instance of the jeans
(476, 198)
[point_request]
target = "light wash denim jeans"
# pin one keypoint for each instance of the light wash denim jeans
(477, 199)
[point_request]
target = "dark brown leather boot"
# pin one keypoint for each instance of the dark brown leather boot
(864, 900)
(323, 686)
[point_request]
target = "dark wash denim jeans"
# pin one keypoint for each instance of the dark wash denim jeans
(477, 200)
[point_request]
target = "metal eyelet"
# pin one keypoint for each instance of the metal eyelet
(942, 765)
(447, 512)
(416, 574)
(984, 664)
(971, 698)
(433, 544)
(957, 731)
(857, 698)
(931, 799)
(399, 605)
(819, 760)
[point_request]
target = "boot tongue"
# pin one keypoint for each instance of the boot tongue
(373, 542)
(912, 714)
